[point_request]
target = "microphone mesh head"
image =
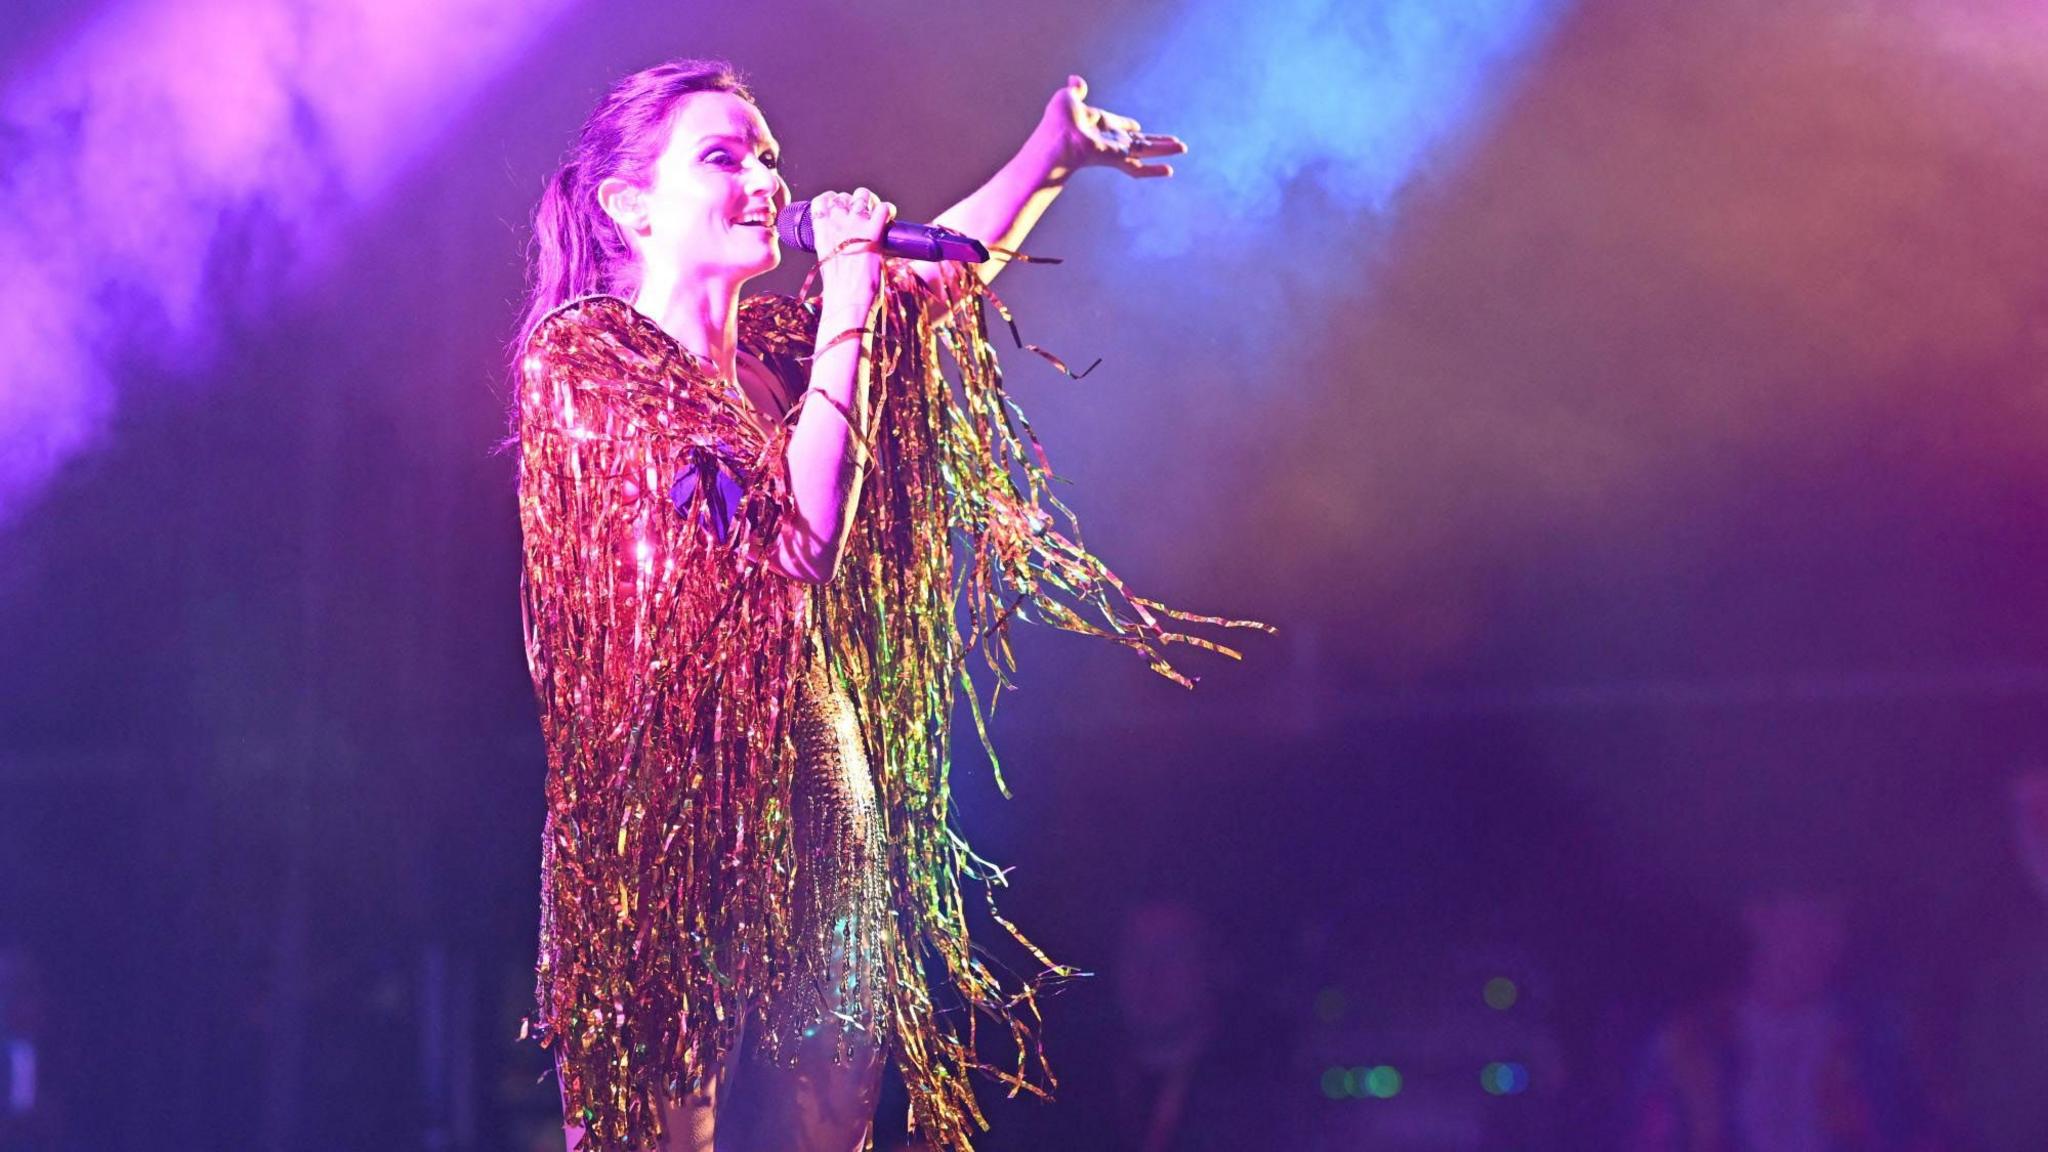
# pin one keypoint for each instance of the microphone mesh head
(793, 225)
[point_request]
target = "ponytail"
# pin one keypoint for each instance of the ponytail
(562, 264)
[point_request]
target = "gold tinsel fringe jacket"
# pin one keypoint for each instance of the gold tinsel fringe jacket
(665, 655)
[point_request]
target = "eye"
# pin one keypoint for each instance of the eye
(721, 158)
(771, 160)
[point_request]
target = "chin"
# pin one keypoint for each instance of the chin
(760, 264)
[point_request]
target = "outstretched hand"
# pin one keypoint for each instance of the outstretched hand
(1092, 137)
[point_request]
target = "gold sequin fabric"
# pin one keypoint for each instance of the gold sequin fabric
(748, 816)
(841, 909)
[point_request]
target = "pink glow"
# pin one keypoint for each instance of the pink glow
(159, 124)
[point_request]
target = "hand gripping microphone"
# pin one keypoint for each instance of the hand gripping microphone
(904, 241)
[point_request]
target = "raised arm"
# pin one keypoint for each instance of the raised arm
(1071, 135)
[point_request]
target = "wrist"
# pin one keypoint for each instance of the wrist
(842, 322)
(849, 287)
(1048, 153)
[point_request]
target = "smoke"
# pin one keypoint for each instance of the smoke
(177, 162)
(1568, 276)
(1354, 97)
(1307, 122)
(1710, 251)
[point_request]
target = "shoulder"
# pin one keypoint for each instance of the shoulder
(600, 337)
(583, 316)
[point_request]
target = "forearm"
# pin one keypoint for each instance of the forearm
(1002, 212)
(826, 461)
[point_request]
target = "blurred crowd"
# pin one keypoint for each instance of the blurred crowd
(1454, 1038)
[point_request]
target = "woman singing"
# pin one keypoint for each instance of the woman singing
(762, 537)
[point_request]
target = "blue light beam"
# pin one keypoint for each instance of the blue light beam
(1354, 96)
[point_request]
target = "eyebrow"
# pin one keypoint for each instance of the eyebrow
(748, 140)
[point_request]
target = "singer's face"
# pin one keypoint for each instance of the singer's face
(716, 189)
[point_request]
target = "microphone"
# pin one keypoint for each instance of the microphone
(905, 241)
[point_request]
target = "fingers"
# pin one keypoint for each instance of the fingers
(1129, 151)
(859, 204)
(850, 221)
(1157, 146)
(1110, 123)
(1122, 144)
(865, 206)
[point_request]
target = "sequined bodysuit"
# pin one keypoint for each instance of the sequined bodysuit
(841, 902)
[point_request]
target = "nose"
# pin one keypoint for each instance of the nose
(763, 179)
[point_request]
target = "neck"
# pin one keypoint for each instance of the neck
(701, 312)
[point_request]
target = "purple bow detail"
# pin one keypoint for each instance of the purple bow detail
(710, 488)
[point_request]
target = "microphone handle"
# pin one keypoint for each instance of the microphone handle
(931, 242)
(903, 241)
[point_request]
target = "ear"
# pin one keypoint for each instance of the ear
(625, 203)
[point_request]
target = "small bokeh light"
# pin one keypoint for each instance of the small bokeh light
(1504, 1079)
(1501, 993)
